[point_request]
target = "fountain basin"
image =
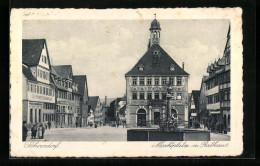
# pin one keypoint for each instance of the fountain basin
(155, 135)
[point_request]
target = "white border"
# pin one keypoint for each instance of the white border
(126, 149)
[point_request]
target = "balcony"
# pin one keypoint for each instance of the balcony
(212, 91)
(214, 106)
(225, 104)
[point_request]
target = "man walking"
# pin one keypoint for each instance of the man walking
(49, 125)
(43, 131)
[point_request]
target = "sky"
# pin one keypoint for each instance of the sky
(105, 50)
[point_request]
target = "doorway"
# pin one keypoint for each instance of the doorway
(141, 118)
(156, 118)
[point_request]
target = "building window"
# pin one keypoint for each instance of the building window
(134, 95)
(178, 81)
(173, 95)
(40, 115)
(31, 115)
(149, 81)
(179, 96)
(44, 90)
(141, 81)
(164, 81)
(149, 95)
(42, 58)
(37, 89)
(45, 59)
(134, 81)
(35, 115)
(156, 81)
(164, 95)
(141, 95)
(47, 91)
(156, 95)
(226, 95)
(171, 81)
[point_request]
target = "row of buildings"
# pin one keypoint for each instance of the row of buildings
(210, 106)
(54, 93)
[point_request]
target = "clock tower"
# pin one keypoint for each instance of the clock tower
(155, 32)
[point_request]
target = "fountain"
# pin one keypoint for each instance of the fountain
(168, 129)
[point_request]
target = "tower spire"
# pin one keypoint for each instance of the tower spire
(154, 15)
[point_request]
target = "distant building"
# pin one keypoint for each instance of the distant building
(194, 108)
(218, 91)
(147, 82)
(68, 97)
(203, 113)
(81, 81)
(38, 91)
(96, 107)
(115, 107)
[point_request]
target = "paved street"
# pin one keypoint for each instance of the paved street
(105, 133)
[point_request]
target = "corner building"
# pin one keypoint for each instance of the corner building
(147, 82)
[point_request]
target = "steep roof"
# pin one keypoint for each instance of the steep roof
(122, 110)
(32, 49)
(195, 94)
(63, 70)
(93, 100)
(28, 74)
(159, 68)
(81, 81)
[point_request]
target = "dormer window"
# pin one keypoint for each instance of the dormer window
(155, 52)
(172, 67)
(141, 67)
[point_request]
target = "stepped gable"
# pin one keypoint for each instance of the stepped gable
(162, 67)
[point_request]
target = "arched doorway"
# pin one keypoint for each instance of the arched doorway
(141, 117)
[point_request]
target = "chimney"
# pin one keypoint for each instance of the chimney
(105, 100)
(183, 65)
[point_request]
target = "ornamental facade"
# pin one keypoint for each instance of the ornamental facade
(147, 82)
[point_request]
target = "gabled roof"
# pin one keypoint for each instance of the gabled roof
(161, 68)
(195, 94)
(65, 71)
(93, 101)
(122, 110)
(81, 80)
(32, 49)
(28, 74)
(123, 98)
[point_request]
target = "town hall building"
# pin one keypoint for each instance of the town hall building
(147, 82)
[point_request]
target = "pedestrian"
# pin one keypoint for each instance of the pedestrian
(34, 131)
(76, 124)
(40, 132)
(123, 124)
(46, 126)
(25, 130)
(43, 131)
(49, 125)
